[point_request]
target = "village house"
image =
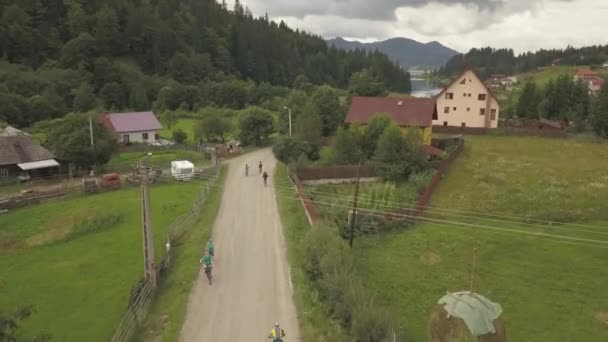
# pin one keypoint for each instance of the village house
(406, 112)
(467, 102)
(22, 158)
(136, 127)
(592, 79)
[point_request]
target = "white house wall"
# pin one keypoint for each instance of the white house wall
(467, 107)
(137, 137)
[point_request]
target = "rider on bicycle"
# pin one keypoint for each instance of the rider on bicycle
(260, 166)
(211, 248)
(277, 334)
(246, 169)
(265, 176)
(207, 262)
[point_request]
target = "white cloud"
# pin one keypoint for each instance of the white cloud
(461, 24)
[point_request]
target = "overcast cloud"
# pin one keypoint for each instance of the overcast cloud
(460, 24)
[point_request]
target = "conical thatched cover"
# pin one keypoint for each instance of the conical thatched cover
(466, 316)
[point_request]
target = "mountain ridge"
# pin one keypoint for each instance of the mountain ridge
(408, 52)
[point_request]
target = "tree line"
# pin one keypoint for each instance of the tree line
(487, 60)
(69, 55)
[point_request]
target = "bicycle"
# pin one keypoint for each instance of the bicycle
(208, 274)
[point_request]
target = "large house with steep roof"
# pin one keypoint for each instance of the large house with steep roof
(135, 127)
(467, 102)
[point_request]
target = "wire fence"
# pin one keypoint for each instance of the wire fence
(143, 292)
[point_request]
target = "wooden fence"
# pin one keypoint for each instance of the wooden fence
(425, 198)
(143, 292)
(335, 172)
(349, 171)
(500, 131)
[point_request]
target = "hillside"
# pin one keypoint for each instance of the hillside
(407, 52)
(64, 55)
(489, 60)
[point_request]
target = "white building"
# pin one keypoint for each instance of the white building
(467, 102)
(135, 127)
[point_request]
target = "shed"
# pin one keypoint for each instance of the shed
(20, 155)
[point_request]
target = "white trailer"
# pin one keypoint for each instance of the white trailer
(182, 170)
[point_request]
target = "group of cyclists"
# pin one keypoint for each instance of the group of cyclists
(276, 334)
(260, 167)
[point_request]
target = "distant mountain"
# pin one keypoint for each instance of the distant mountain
(407, 52)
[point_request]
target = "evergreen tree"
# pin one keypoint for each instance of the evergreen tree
(600, 114)
(85, 99)
(527, 105)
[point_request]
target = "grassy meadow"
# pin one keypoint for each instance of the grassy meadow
(186, 125)
(76, 260)
(551, 286)
(124, 161)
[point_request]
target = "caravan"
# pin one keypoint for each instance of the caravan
(182, 170)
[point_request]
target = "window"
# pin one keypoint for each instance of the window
(468, 109)
(464, 80)
(469, 94)
(446, 110)
(481, 97)
(3, 173)
(492, 114)
(464, 124)
(464, 95)
(482, 111)
(144, 136)
(454, 109)
(449, 96)
(125, 138)
(445, 123)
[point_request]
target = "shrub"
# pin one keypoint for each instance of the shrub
(179, 136)
(421, 180)
(289, 149)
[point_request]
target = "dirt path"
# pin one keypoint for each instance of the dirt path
(251, 288)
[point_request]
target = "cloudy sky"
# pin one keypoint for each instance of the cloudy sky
(460, 24)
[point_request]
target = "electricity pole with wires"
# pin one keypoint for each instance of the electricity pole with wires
(146, 221)
(353, 220)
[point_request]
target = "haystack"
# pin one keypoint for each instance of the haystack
(466, 317)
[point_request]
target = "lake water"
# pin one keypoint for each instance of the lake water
(424, 88)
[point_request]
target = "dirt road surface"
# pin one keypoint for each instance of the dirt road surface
(252, 287)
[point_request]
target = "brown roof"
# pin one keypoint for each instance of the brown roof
(456, 79)
(405, 112)
(582, 72)
(21, 149)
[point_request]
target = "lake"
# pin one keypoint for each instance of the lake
(424, 88)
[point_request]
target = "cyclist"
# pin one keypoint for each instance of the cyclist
(211, 248)
(246, 169)
(260, 166)
(277, 334)
(265, 176)
(207, 262)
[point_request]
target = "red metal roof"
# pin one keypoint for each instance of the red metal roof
(132, 122)
(585, 72)
(597, 82)
(417, 112)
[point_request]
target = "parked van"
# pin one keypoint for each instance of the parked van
(182, 170)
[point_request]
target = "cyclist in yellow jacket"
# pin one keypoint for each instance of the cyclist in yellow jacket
(277, 334)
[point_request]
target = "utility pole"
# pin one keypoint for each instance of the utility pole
(289, 114)
(146, 221)
(91, 130)
(473, 265)
(353, 221)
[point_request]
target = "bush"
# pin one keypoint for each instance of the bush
(289, 149)
(330, 265)
(420, 181)
(179, 136)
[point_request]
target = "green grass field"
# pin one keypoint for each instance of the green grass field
(544, 75)
(549, 290)
(315, 324)
(79, 282)
(125, 161)
(187, 125)
(168, 309)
